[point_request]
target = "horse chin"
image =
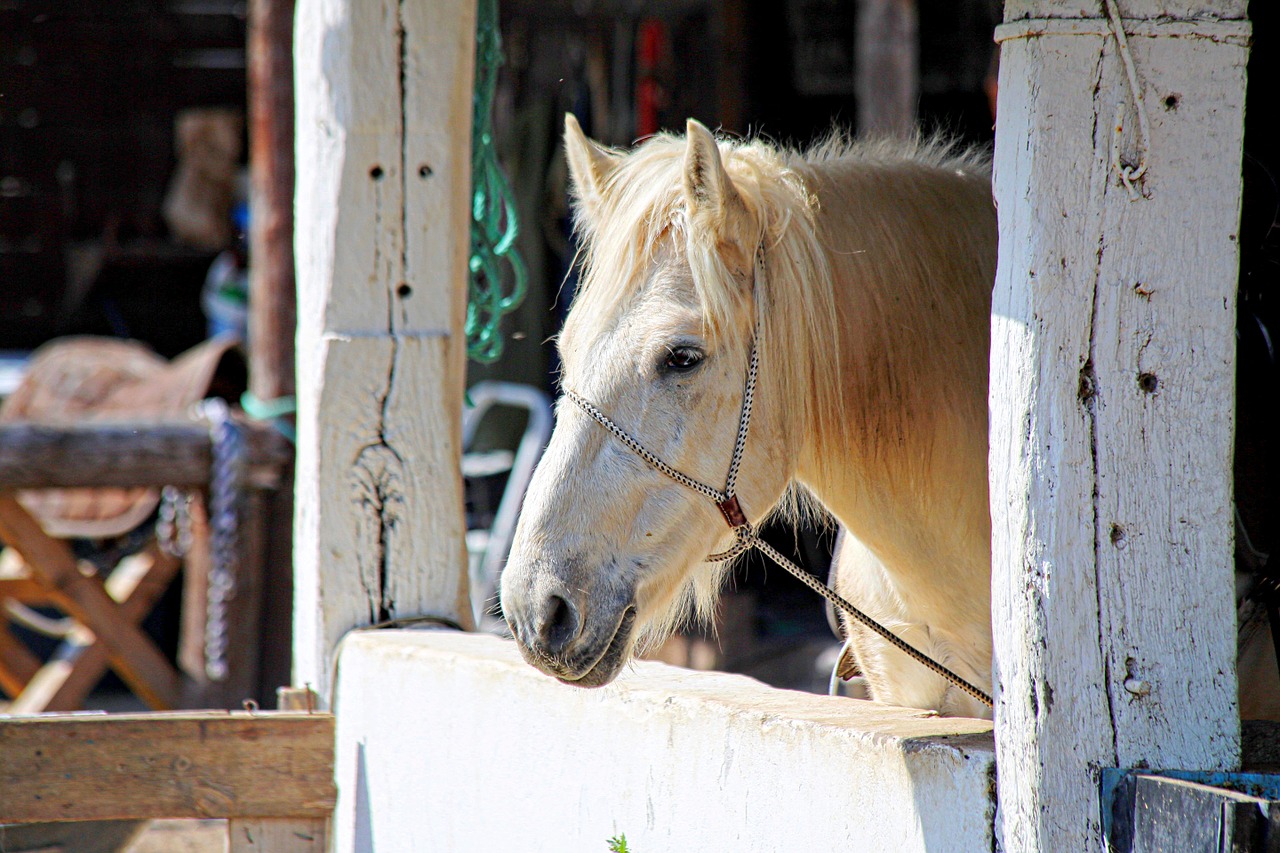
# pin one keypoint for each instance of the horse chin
(610, 661)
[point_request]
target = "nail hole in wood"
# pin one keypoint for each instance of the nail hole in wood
(1086, 388)
(425, 171)
(404, 291)
(1171, 102)
(1148, 382)
(376, 173)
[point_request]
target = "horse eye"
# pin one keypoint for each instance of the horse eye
(683, 358)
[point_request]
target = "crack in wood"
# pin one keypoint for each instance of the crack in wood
(1092, 403)
(401, 67)
(378, 487)
(379, 490)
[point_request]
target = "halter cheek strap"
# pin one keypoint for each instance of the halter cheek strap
(745, 536)
(726, 501)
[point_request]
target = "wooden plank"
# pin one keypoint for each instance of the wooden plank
(384, 134)
(273, 300)
(278, 835)
(244, 612)
(296, 699)
(122, 453)
(132, 653)
(174, 765)
(1111, 413)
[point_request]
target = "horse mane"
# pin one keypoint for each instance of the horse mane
(642, 211)
(819, 215)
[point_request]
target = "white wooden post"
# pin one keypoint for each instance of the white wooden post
(383, 177)
(1112, 395)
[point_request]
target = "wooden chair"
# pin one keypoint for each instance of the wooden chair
(107, 612)
(82, 473)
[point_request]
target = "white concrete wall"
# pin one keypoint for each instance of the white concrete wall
(450, 742)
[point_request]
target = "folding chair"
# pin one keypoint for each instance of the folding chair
(74, 381)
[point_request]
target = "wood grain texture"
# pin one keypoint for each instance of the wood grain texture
(278, 835)
(122, 453)
(1111, 425)
(272, 310)
(181, 765)
(384, 134)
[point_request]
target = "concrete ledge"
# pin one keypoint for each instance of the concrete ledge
(450, 742)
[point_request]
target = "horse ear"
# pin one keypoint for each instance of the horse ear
(713, 202)
(590, 166)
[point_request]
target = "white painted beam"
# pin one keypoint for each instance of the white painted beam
(450, 742)
(1112, 397)
(383, 190)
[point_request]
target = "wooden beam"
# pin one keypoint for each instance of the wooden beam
(273, 302)
(1112, 376)
(272, 311)
(153, 766)
(384, 94)
(122, 453)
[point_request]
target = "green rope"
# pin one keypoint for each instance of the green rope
(494, 224)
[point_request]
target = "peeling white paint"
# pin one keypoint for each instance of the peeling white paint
(1112, 392)
(384, 139)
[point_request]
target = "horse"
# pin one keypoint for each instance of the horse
(852, 281)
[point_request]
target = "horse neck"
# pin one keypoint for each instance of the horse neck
(901, 456)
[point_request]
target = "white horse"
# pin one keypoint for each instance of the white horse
(861, 273)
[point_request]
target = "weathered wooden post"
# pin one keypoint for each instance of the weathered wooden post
(1112, 396)
(383, 176)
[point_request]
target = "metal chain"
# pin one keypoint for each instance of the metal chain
(224, 516)
(745, 536)
(173, 524)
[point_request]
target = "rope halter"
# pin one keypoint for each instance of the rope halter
(745, 536)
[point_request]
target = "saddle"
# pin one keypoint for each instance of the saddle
(79, 379)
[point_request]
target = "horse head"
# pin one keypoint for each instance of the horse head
(609, 552)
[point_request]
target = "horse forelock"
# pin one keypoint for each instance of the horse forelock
(642, 213)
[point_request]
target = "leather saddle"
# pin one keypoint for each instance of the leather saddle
(79, 379)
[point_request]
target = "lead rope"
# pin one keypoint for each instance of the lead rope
(745, 536)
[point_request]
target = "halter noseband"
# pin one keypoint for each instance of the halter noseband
(745, 536)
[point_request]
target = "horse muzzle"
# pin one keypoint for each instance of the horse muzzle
(569, 636)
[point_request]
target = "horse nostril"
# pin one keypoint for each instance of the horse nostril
(558, 624)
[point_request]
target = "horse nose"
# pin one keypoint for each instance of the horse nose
(558, 624)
